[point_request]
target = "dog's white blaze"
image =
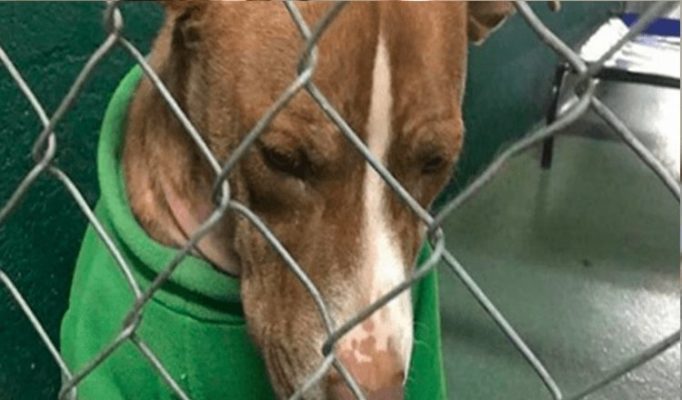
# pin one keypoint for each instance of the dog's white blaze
(382, 260)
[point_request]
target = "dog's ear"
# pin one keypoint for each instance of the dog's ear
(177, 6)
(184, 17)
(486, 16)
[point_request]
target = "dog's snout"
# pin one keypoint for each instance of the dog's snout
(378, 370)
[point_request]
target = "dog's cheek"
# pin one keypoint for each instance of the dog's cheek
(260, 283)
(283, 335)
(288, 370)
(249, 245)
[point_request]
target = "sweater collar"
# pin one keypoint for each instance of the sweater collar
(194, 280)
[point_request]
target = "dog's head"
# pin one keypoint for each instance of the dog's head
(395, 72)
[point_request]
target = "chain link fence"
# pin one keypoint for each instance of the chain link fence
(45, 148)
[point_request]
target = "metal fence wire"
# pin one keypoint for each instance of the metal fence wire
(45, 146)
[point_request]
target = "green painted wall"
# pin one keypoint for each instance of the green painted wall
(507, 92)
(49, 42)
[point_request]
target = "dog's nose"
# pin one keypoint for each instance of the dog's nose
(380, 373)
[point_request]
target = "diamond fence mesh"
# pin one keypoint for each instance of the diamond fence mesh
(45, 147)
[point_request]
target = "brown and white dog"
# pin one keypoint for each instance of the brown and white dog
(396, 72)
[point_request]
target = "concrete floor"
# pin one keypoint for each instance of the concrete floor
(583, 259)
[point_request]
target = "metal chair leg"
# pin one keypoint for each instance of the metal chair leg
(548, 144)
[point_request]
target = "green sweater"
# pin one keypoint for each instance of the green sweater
(194, 323)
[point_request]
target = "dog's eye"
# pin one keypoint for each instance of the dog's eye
(289, 163)
(433, 164)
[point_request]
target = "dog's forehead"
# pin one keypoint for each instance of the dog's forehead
(260, 46)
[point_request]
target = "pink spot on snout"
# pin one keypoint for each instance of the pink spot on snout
(368, 347)
(379, 373)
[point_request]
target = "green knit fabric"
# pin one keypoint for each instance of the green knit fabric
(194, 323)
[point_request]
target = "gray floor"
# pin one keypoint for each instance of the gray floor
(583, 259)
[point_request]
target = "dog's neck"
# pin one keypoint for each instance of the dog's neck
(166, 179)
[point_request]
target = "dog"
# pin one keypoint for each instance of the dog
(396, 72)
